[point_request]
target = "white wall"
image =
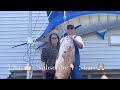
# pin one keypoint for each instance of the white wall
(98, 51)
(13, 31)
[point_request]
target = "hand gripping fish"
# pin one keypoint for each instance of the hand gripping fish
(65, 59)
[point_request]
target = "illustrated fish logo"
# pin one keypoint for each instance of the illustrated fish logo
(100, 66)
(72, 66)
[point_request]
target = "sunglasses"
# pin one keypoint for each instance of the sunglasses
(53, 38)
(70, 28)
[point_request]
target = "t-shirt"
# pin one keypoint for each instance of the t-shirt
(78, 38)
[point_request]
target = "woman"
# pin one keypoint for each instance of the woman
(49, 55)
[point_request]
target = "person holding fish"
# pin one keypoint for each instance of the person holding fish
(78, 44)
(49, 55)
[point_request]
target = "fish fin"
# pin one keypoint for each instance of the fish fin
(55, 77)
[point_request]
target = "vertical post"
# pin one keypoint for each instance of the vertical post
(64, 18)
(89, 75)
(29, 44)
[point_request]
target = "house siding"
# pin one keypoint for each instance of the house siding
(14, 27)
(97, 51)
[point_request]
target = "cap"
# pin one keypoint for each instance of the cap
(70, 26)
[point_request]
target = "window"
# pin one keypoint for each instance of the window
(114, 40)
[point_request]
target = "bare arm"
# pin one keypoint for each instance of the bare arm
(80, 45)
(43, 66)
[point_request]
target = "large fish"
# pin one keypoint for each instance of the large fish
(65, 59)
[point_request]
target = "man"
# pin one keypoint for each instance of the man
(78, 43)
